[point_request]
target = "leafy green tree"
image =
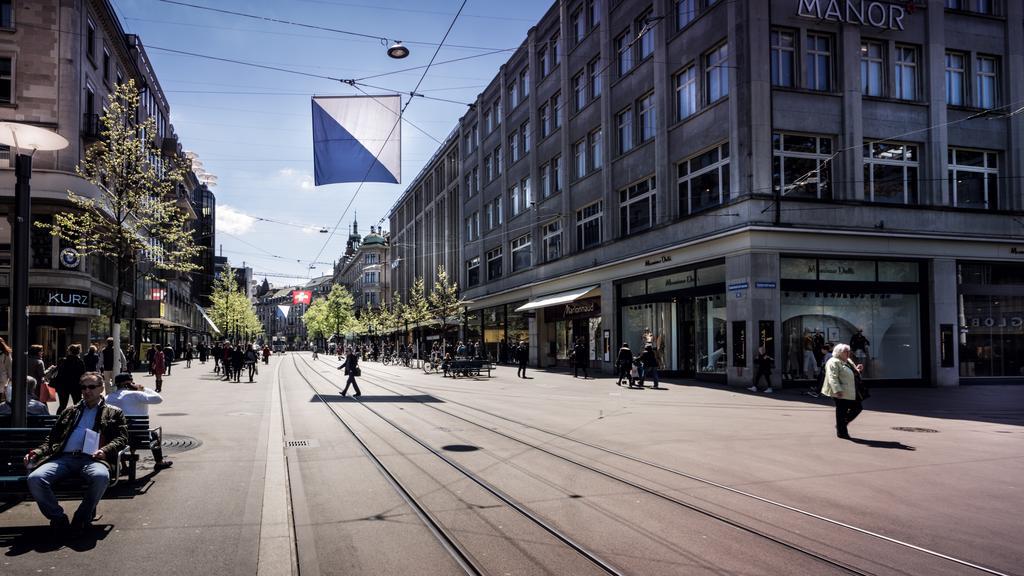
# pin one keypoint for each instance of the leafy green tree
(315, 320)
(417, 310)
(339, 311)
(134, 218)
(231, 310)
(445, 302)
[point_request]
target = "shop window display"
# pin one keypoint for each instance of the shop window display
(710, 333)
(651, 323)
(882, 329)
(991, 338)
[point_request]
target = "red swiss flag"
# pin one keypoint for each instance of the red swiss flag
(301, 296)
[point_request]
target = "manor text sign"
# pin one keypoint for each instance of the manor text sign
(874, 13)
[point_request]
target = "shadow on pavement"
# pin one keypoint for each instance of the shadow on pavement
(882, 444)
(19, 540)
(382, 398)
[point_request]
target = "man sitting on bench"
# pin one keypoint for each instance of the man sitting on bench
(35, 407)
(134, 400)
(84, 441)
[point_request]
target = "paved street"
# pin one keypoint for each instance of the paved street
(552, 475)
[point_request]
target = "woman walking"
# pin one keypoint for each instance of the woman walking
(68, 374)
(351, 367)
(624, 363)
(189, 354)
(841, 378)
(157, 366)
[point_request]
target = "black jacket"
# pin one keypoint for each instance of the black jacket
(110, 423)
(764, 363)
(649, 359)
(91, 361)
(350, 364)
(70, 371)
(625, 358)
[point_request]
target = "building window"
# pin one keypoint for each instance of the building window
(556, 54)
(646, 118)
(513, 94)
(955, 72)
(636, 207)
(524, 132)
(515, 200)
(987, 80)
(494, 264)
(987, 7)
(545, 180)
(819, 62)
(686, 11)
(716, 72)
(556, 110)
(645, 36)
(499, 213)
(473, 227)
(890, 172)
(686, 92)
(624, 124)
(802, 165)
(6, 80)
(594, 73)
(594, 12)
(588, 225)
(527, 193)
(974, 178)
(544, 114)
(872, 67)
(489, 167)
(906, 72)
(579, 92)
(473, 271)
(488, 120)
(522, 253)
(513, 146)
(106, 66)
(552, 240)
(783, 57)
(499, 161)
(524, 84)
(577, 25)
(497, 112)
(542, 61)
(6, 14)
(371, 277)
(594, 143)
(489, 215)
(704, 179)
(624, 54)
(579, 154)
(90, 40)
(556, 174)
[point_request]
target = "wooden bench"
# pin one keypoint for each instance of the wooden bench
(467, 367)
(15, 443)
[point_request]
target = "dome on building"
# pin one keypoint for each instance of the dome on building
(373, 238)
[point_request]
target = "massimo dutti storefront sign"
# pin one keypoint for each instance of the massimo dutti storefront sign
(874, 13)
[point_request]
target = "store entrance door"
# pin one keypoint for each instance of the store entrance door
(687, 350)
(54, 341)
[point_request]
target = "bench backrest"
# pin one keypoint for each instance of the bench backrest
(14, 444)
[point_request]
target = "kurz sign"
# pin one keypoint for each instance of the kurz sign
(874, 13)
(59, 297)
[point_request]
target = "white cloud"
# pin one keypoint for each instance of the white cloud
(292, 177)
(286, 172)
(233, 221)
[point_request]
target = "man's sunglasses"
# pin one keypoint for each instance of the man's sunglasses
(93, 387)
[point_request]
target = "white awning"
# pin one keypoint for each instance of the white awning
(207, 318)
(556, 299)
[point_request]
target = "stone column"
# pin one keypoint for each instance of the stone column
(609, 322)
(943, 309)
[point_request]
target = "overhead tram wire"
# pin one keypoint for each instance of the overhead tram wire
(317, 27)
(401, 115)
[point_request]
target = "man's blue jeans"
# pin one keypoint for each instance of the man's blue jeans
(41, 481)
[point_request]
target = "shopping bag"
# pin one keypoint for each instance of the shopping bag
(46, 393)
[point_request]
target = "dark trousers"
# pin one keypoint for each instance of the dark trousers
(168, 368)
(155, 444)
(767, 378)
(351, 382)
(624, 372)
(521, 372)
(577, 365)
(846, 412)
(252, 370)
(62, 396)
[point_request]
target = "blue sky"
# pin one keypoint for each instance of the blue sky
(252, 128)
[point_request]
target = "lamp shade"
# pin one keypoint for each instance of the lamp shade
(398, 51)
(30, 137)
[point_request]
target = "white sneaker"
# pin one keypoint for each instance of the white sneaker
(752, 388)
(768, 390)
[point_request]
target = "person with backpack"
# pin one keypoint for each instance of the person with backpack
(68, 374)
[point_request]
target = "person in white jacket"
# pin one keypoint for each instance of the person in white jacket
(134, 400)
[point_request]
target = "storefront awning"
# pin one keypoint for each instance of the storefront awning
(556, 299)
(207, 318)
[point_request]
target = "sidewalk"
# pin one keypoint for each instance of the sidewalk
(201, 516)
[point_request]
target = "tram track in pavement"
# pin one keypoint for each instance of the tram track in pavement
(732, 524)
(680, 473)
(462, 556)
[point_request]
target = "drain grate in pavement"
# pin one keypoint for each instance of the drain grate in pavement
(302, 443)
(914, 429)
(173, 414)
(174, 443)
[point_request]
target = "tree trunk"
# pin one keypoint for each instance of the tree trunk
(115, 321)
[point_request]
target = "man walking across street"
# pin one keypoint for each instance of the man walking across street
(83, 442)
(579, 359)
(763, 364)
(523, 358)
(351, 368)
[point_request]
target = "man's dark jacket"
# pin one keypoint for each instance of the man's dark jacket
(110, 423)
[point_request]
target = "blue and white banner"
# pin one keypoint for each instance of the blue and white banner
(356, 139)
(283, 309)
